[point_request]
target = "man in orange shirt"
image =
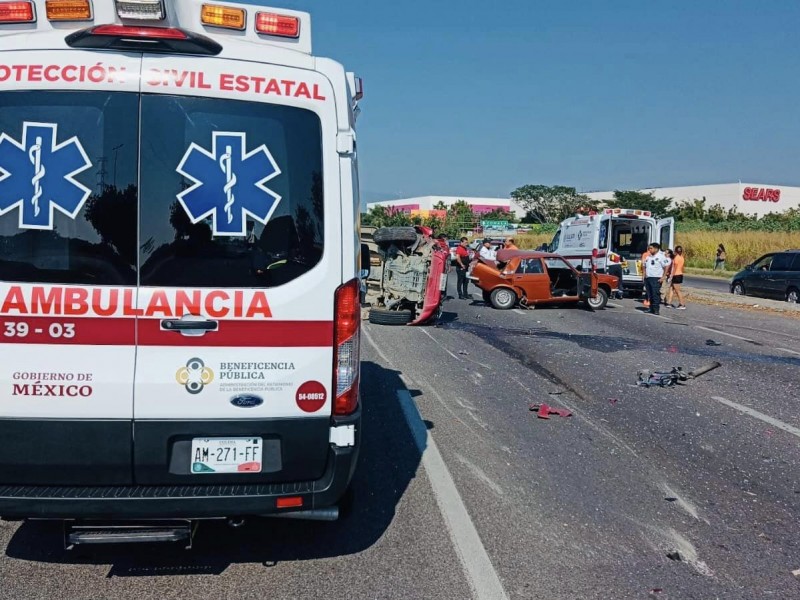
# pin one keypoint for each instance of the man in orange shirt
(677, 279)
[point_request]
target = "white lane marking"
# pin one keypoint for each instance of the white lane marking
(732, 335)
(759, 415)
(789, 351)
(518, 311)
(474, 559)
(435, 341)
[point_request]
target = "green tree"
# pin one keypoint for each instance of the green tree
(440, 205)
(659, 207)
(551, 204)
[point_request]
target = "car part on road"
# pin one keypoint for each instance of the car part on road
(503, 298)
(543, 411)
(384, 316)
(672, 377)
(713, 343)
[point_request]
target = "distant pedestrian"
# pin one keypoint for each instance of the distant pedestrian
(668, 275)
(510, 245)
(462, 263)
(677, 279)
(655, 270)
(719, 262)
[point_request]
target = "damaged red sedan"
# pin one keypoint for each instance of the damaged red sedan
(531, 278)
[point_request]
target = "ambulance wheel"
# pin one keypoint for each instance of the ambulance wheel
(390, 235)
(503, 298)
(383, 316)
(599, 301)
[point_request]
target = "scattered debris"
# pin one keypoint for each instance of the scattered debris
(671, 378)
(613, 400)
(554, 393)
(671, 499)
(796, 573)
(464, 352)
(543, 411)
(675, 555)
(655, 591)
(713, 343)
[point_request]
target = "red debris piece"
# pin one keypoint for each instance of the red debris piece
(543, 411)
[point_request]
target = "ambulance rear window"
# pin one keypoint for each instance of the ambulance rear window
(68, 187)
(231, 192)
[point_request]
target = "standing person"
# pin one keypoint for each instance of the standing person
(462, 262)
(487, 252)
(677, 279)
(668, 275)
(510, 245)
(655, 271)
(719, 262)
(646, 302)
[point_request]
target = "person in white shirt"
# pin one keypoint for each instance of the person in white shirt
(487, 253)
(655, 272)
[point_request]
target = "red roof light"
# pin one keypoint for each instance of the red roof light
(17, 12)
(280, 25)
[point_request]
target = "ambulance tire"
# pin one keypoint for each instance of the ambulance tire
(599, 301)
(382, 316)
(390, 235)
(503, 298)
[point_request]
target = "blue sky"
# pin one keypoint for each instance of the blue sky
(465, 99)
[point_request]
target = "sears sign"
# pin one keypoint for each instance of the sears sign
(764, 194)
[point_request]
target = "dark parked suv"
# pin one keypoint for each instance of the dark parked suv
(775, 275)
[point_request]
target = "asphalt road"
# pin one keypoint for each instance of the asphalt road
(708, 283)
(463, 492)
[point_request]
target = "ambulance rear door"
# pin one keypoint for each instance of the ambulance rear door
(240, 254)
(666, 233)
(68, 266)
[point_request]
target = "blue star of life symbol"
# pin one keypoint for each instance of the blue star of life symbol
(228, 183)
(37, 175)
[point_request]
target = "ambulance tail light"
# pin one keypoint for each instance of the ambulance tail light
(223, 16)
(142, 10)
(17, 12)
(140, 38)
(347, 347)
(278, 25)
(68, 10)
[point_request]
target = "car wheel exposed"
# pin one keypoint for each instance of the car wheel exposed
(793, 296)
(503, 298)
(390, 235)
(383, 316)
(599, 301)
(738, 288)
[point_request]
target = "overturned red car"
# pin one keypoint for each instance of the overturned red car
(413, 278)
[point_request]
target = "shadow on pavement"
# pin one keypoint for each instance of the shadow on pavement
(388, 462)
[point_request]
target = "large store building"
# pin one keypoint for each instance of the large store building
(425, 206)
(748, 198)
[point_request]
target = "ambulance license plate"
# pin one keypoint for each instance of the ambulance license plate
(226, 455)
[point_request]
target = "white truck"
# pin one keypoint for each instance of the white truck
(179, 267)
(614, 240)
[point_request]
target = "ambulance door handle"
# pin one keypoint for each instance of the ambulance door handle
(189, 326)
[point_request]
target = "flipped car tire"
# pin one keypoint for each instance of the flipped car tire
(738, 289)
(389, 235)
(503, 298)
(599, 301)
(382, 316)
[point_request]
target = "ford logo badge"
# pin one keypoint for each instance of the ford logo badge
(247, 401)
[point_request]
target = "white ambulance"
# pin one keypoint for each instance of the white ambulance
(179, 263)
(614, 240)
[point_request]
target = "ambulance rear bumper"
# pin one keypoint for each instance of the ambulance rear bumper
(178, 501)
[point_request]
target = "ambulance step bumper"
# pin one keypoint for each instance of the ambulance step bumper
(176, 501)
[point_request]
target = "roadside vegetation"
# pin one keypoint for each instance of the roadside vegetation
(699, 228)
